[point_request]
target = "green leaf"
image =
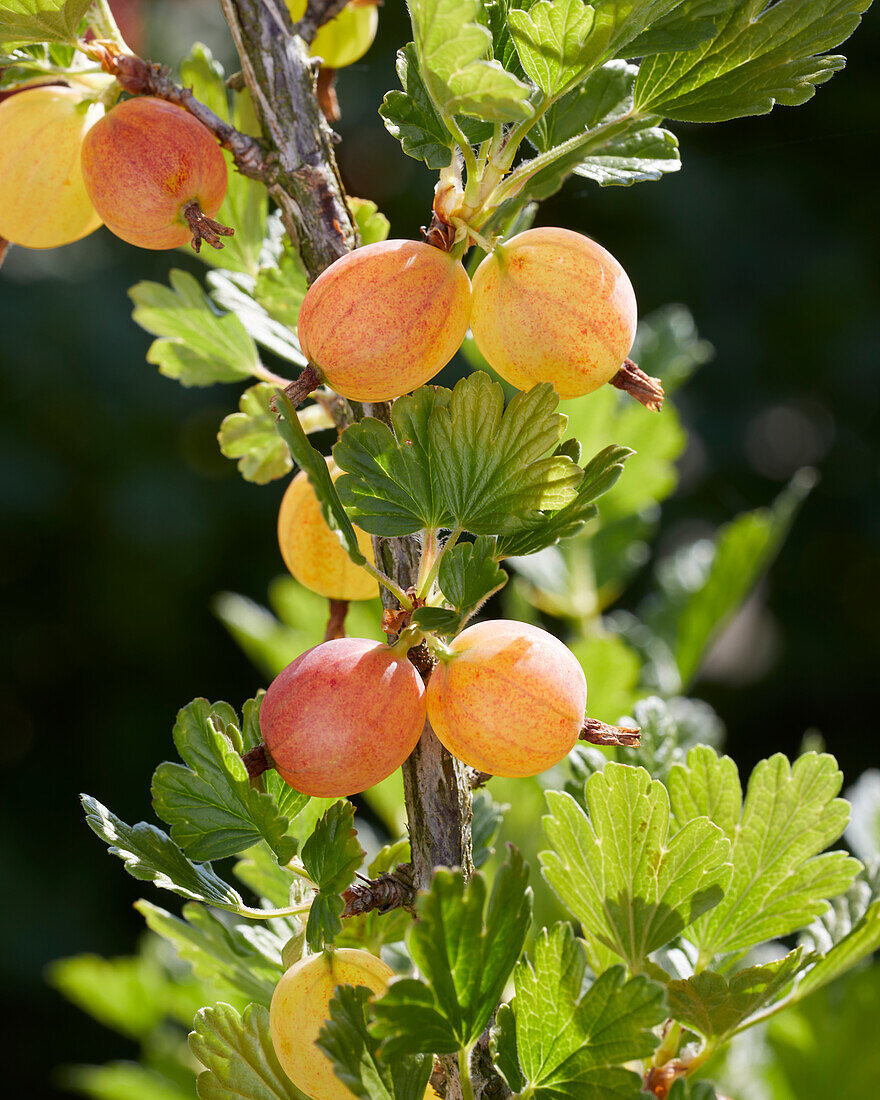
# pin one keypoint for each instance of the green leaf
(465, 951)
(240, 961)
(122, 1081)
(716, 1007)
(282, 282)
(210, 804)
(702, 585)
(761, 55)
(487, 818)
(684, 1088)
(236, 293)
(23, 21)
(612, 671)
(549, 38)
(498, 468)
(600, 475)
(468, 576)
(790, 814)
(246, 203)
(259, 871)
(197, 346)
(686, 26)
(237, 1051)
(315, 465)
(411, 117)
(250, 436)
(331, 856)
(372, 225)
(454, 53)
(354, 1052)
(632, 883)
(457, 459)
(572, 1042)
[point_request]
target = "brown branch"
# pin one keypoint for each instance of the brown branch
(391, 890)
(600, 733)
(633, 380)
(336, 622)
(317, 13)
(141, 77)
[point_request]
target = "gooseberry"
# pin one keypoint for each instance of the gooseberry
(384, 319)
(43, 200)
(300, 1007)
(155, 174)
(508, 698)
(345, 38)
(313, 553)
(553, 306)
(342, 717)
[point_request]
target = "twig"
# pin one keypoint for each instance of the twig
(633, 380)
(600, 733)
(141, 77)
(392, 890)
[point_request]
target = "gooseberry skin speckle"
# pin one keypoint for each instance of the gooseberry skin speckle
(43, 200)
(342, 717)
(143, 163)
(313, 553)
(509, 699)
(384, 319)
(551, 305)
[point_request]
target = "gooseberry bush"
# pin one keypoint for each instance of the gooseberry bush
(663, 904)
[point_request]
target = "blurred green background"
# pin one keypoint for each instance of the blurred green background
(121, 519)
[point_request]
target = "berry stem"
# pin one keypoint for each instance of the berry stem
(257, 760)
(4, 249)
(204, 228)
(633, 380)
(336, 622)
(299, 389)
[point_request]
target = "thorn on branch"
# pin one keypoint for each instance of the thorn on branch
(336, 622)
(600, 733)
(633, 380)
(204, 228)
(327, 99)
(477, 779)
(392, 890)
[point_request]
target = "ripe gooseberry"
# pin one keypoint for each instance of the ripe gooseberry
(342, 717)
(300, 1007)
(553, 306)
(384, 319)
(311, 550)
(155, 174)
(43, 200)
(508, 698)
(345, 38)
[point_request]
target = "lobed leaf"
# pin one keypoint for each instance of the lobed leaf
(196, 345)
(454, 53)
(716, 1007)
(354, 1052)
(411, 117)
(549, 38)
(469, 574)
(570, 1041)
(238, 293)
(686, 26)
(465, 950)
(789, 816)
(760, 55)
(632, 884)
(238, 1055)
(234, 961)
(24, 21)
(208, 801)
(331, 856)
(250, 436)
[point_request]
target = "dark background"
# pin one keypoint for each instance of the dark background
(120, 519)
